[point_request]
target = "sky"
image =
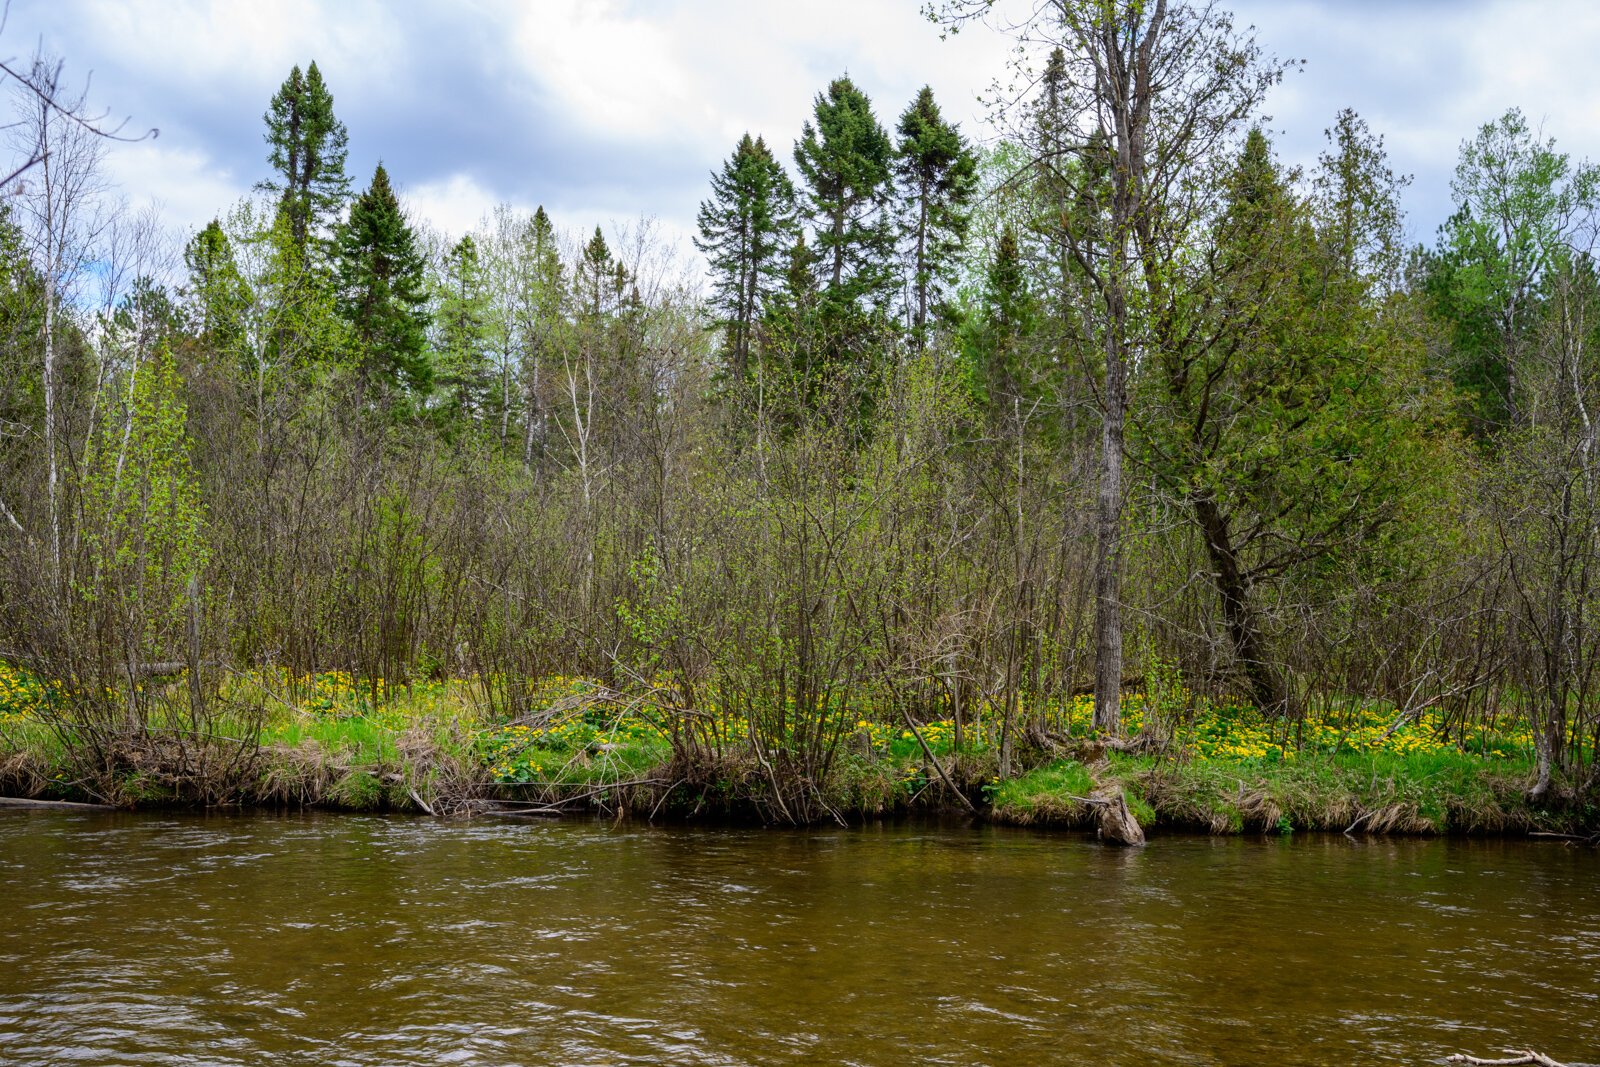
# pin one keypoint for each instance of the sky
(608, 111)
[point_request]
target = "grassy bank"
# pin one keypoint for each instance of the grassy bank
(327, 741)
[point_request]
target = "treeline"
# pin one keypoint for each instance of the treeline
(1120, 401)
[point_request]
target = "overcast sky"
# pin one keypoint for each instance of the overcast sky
(608, 110)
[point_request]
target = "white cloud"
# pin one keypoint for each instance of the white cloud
(454, 206)
(183, 180)
(612, 109)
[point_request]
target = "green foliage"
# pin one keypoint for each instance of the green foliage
(1519, 202)
(937, 173)
(845, 156)
(219, 298)
(1288, 413)
(308, 149)
(382, 295)
(998, 338)
(744, 228)
(144, 521)
(463, 325)
(600, 281)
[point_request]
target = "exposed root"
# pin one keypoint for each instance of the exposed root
(24, 774)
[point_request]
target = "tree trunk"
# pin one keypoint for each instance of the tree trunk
(1114, 822)
(1108, 524)
(1267, 687)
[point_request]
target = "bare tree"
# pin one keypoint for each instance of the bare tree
(58, 212)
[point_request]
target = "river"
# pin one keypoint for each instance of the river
(356, 940)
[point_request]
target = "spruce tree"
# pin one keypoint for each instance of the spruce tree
(1008, 317)
(308, 148)
(845, 157)
(217, 292)
(464, 330)
(382, 294)
(600, 280)
(744, 227)
(937, 173)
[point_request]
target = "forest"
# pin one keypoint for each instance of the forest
(1094, 465)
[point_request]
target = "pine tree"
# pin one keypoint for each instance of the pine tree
(308, 148)
(464, 330)
(938, 176)
(382, 294)
(845, 157)
(743, 229)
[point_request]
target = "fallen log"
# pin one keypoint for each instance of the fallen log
(57, 805)
(1517, 1059)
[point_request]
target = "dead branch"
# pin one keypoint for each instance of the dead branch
(55, 805)
(937, 766)
(1524, 1056)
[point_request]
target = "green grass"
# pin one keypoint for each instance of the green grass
(1385, 792)
(1047, 795)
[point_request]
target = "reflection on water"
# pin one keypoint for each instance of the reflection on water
(351, 940)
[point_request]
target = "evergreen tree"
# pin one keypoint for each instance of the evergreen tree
(1284, 408)
(382, 294)
(463, 324)
(540, 311)
(845, 158)
(1008, 317)
(743, 229)
(600, 280)
(938, 176)
(308, 148)
(145, 317)
(218, 297)
(791, 311)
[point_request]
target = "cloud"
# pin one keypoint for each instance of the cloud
(1426, 74)
(612, 109)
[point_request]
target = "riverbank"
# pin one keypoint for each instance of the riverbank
(327, 742)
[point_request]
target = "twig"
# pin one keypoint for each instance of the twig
(1587, 839)
(662, 801)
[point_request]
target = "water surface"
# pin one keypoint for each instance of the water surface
(352, 940)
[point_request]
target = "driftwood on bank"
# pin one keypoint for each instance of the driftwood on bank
(1517, 1058)
(57, 805)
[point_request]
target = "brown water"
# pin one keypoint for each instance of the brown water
(157, 939)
